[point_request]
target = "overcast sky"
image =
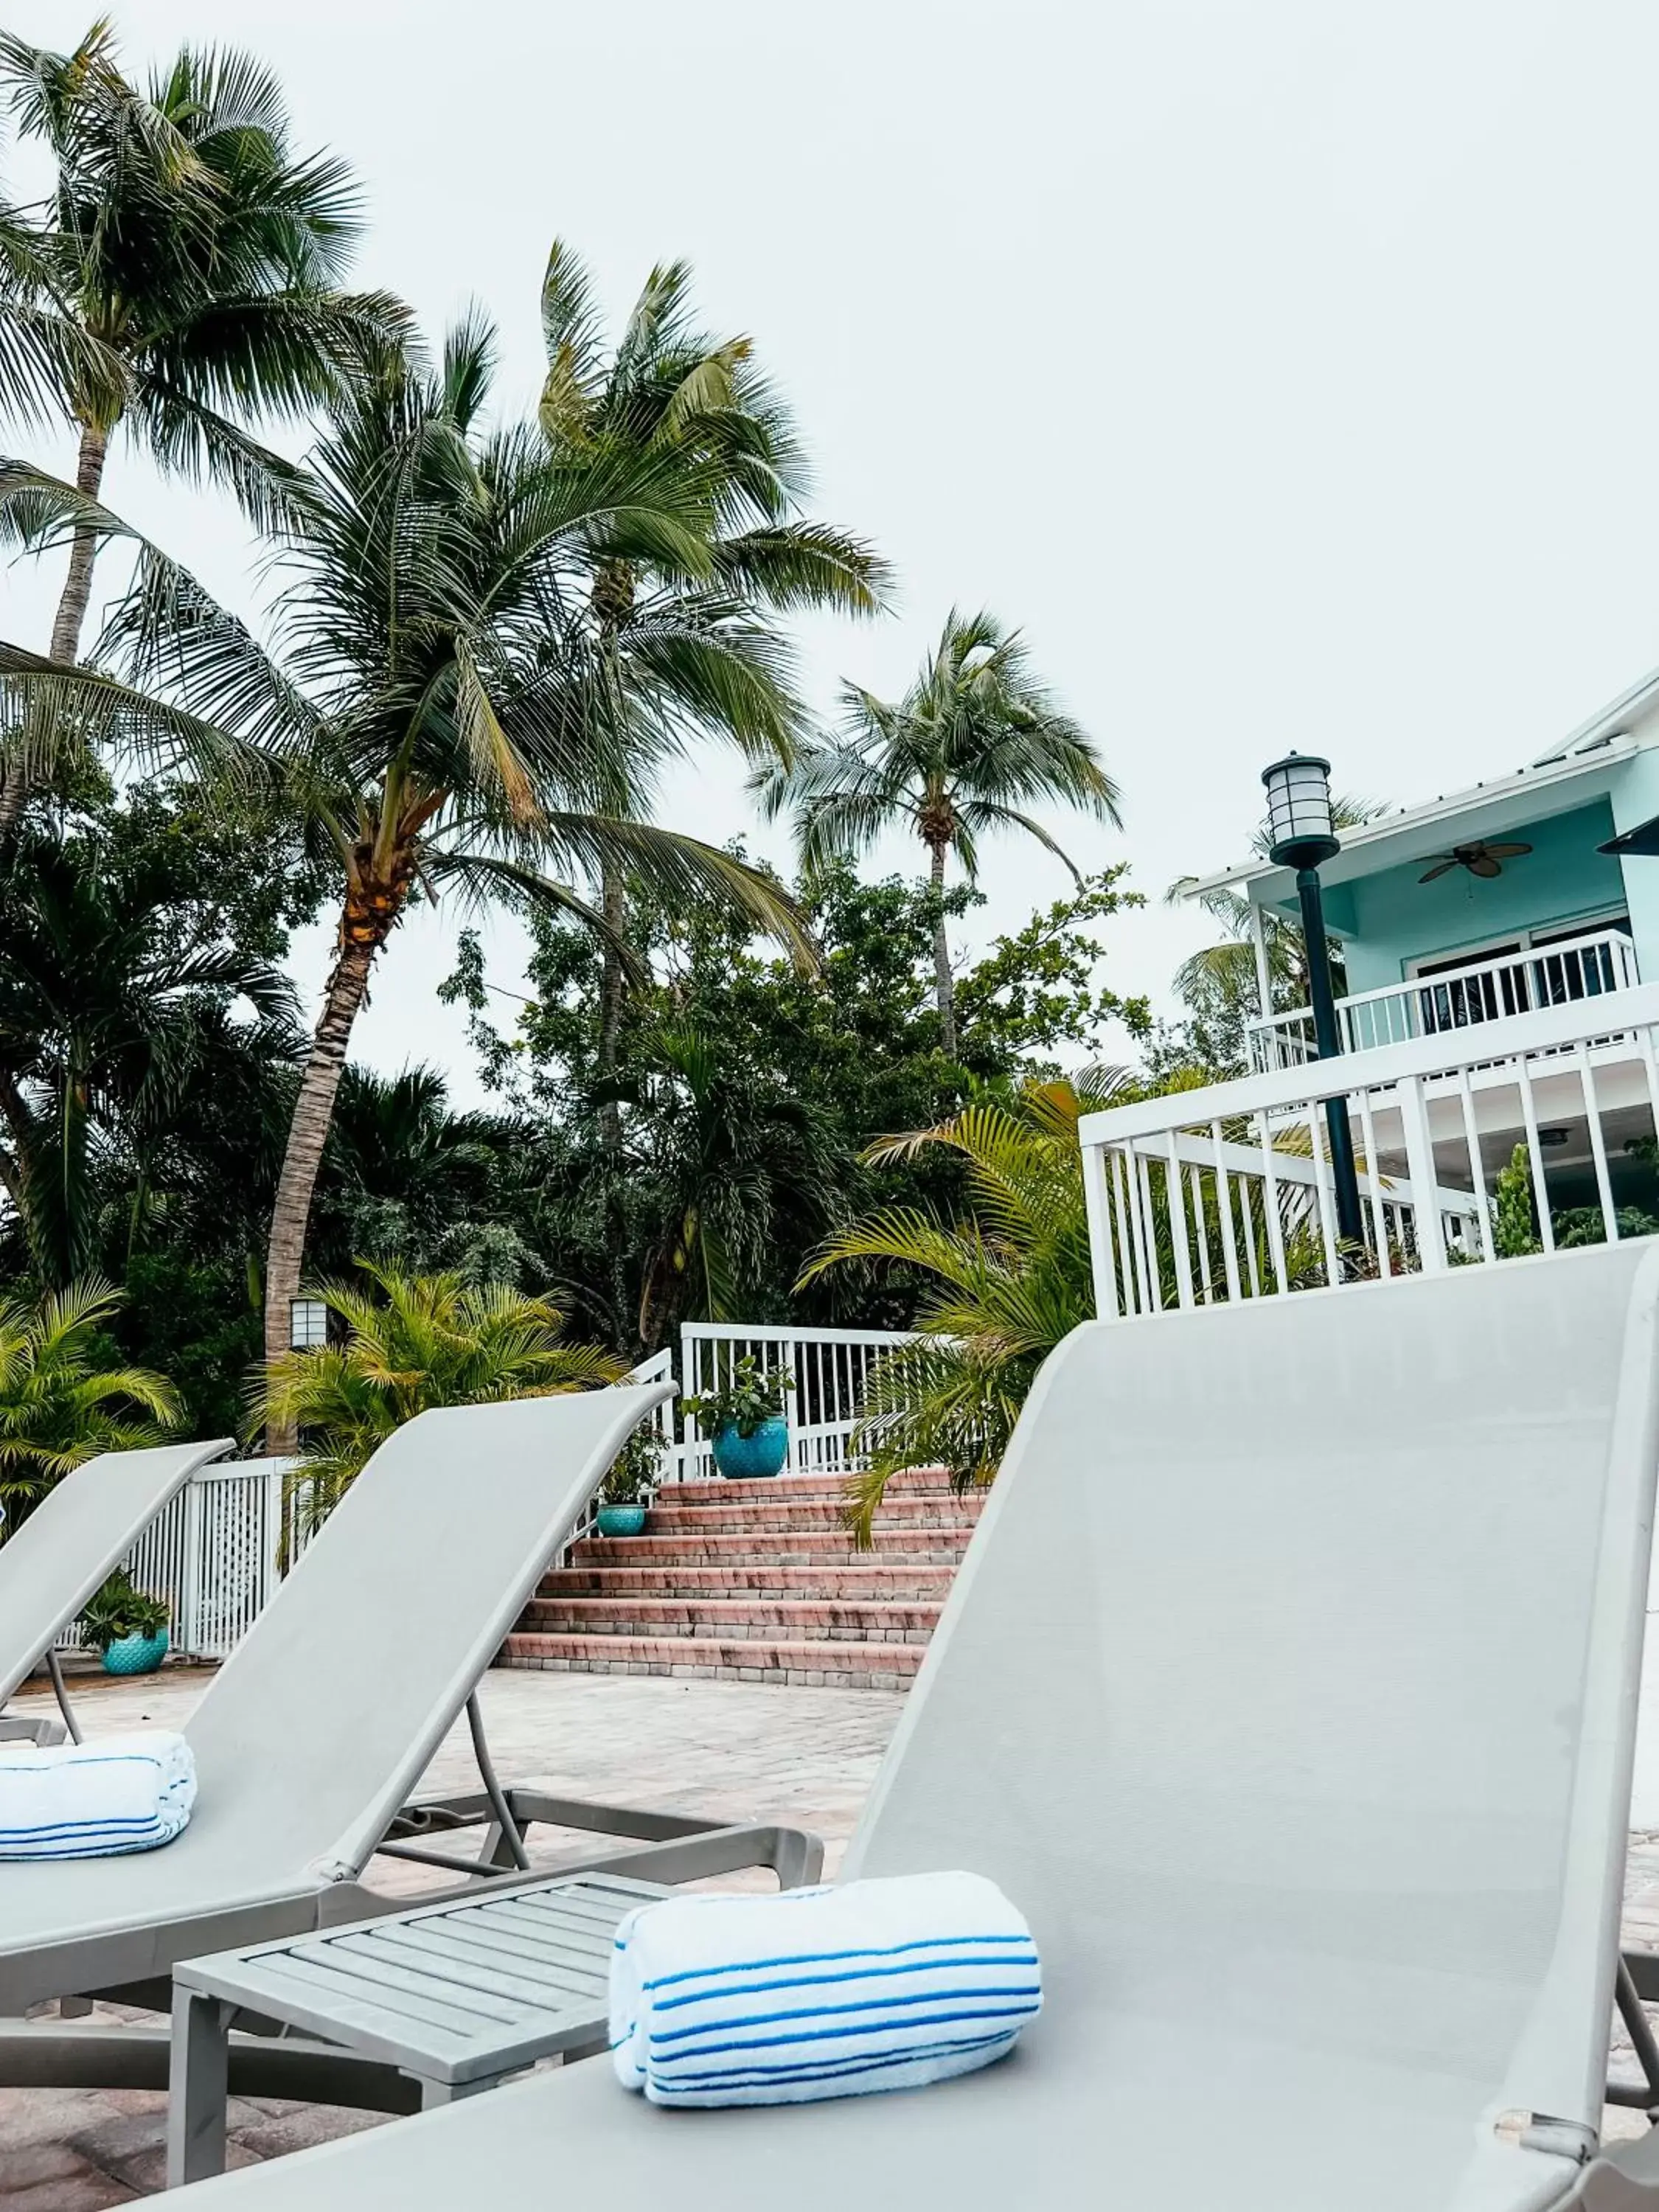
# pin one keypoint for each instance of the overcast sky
(1287, 370)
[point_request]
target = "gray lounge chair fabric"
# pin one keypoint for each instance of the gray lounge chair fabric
(1288, 1686)
(324, 1718)
(52, 1564)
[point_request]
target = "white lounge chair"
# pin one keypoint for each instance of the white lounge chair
(312, 1736)
(53, 1562)
(1289, 1687)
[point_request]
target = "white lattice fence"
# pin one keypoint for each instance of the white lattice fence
(212, 1554)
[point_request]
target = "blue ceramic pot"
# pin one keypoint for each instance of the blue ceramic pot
(621, 1520)
(135, 1654)
(742, 1459)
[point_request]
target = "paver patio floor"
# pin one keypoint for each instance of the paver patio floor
(732, 1749)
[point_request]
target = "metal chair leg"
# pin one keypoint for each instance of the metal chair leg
(199, 2087)
(54, 1668)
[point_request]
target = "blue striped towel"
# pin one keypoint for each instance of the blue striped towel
(831, 1992)
(93, 1801)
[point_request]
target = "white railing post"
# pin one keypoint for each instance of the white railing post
(190, 1569)
(1096, 1207)
(1178, 1214)
(1419, 1166)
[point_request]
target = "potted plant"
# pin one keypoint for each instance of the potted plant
(744, 1416)
(625, 1494)
(128, 1625)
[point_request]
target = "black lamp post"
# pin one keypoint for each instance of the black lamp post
(1302, 830)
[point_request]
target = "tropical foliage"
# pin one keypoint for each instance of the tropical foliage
(1006, 1283)
(117, 1608)
(411, 1342)
(63, 1397)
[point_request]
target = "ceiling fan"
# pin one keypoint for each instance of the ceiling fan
(1480, 859)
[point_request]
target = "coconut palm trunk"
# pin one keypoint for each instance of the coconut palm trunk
(612, 985)
(71, 615)
(370, 917)
(943, 981)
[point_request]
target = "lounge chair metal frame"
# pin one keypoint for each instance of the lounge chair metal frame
(545, 1456)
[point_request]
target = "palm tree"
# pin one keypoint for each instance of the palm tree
(111, 1006)
(407, 1179)
(425, 1340)
(975, 740)
(426, 711)
(181, 281)
(671, 653)
(1011, 1281)
(61, 1402)
(737, 1159)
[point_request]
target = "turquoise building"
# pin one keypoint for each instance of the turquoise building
(1528, 891)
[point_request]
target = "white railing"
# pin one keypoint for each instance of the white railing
(212, 1552)
(1458, 998)
(829, 1368)
(1207, 1197)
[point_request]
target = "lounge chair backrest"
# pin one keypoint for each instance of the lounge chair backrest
(323, 1719)
(53, 1562)
(1289, 1684)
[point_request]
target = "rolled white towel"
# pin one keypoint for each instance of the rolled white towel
(830, 1992)
(89, 1801)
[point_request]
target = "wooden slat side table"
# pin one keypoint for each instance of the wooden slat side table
(456, 1994)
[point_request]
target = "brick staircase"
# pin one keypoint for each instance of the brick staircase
(756, 1582)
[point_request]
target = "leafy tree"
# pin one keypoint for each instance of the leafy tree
(111, 1006)
(1515, 1220)
(743, 1163)
(424, 1341)
(62, 1399)
(181, 280)
(411, 1183)
(798, 1074)
(974, 740)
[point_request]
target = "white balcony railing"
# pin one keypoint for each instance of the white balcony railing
(1226, 1193)
(1456, 998)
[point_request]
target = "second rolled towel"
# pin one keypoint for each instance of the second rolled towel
(832, 1992)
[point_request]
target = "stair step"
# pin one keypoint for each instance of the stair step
(780, 1547)
(671, 1518)
(861, 1585)
(802, 1621)
(929, 1481)
(871, 1666)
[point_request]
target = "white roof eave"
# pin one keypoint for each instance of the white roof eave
(1420, 829)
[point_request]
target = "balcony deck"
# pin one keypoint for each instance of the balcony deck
(1227, 1192)
(1557, 974)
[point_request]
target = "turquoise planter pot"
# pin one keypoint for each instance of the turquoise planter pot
(621, 1520)
(742, 1459)
(136, 1655)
